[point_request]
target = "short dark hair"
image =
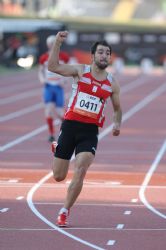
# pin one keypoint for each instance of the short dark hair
(104, 43)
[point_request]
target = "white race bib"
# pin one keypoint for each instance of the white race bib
(88, 105)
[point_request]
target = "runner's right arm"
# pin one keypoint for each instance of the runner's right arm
(53, 61)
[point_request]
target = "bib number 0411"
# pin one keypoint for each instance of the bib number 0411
(88, 105)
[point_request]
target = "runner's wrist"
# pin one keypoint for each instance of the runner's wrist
(58, 43)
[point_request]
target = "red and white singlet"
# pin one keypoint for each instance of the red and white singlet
(50, 77)
(89, 98)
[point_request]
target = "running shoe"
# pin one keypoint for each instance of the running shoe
(62, 220)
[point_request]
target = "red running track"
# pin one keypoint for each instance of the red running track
(123, 202)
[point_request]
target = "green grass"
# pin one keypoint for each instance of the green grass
(6, 70)
(9, 70)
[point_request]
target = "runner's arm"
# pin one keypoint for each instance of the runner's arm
(117, 117)
(41, 74)
(53, 61)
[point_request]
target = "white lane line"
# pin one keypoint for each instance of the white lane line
(5, 183)
(147, 180)
(113, 183)
(134, 200)
(13, 180)
(20, 198)
(81, 228)
(37, 91)
(126, 116)
(49, 223)
(21, 112)
(136, 83)
(21, 96)
(9, 182)
(138, 107)
(25, 111)
(111, 242)
(38, 106)
(26, 86)
(43, 128)
(127, 212)
(120, 226)
(23, 138)
(4, 210)
(27, 136)
(91, 204)
(115, 229)
(20, 163)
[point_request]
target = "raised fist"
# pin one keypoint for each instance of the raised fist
(61, 36)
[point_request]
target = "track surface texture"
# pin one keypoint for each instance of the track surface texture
(123, 202)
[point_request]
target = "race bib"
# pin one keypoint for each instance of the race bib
(88, 105)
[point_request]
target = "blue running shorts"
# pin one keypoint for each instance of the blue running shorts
(55, 94)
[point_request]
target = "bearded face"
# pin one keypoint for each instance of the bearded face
(102, 57)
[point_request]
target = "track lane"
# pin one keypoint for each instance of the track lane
(126, 116)
(33, 114)
(97, 236)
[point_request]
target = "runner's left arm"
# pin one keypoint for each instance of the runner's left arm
(117, 116)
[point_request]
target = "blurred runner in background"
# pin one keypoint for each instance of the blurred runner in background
(53, 94)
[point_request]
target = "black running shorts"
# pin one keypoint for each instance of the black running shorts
(78, 137)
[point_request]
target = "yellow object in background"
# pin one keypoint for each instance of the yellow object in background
(124, 11)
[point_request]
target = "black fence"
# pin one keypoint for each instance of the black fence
(131, 46)
(20, 38)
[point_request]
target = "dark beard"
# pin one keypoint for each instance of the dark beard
(101, 66)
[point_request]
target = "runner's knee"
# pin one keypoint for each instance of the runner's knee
(60, 112)
(60, 169)
(58, 176)
(49, 110)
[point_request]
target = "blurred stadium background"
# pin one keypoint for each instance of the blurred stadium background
(136, 29)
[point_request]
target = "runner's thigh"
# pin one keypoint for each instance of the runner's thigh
(66, 141)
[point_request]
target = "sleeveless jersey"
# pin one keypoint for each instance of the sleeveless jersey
(50, 77)
(89, 98)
